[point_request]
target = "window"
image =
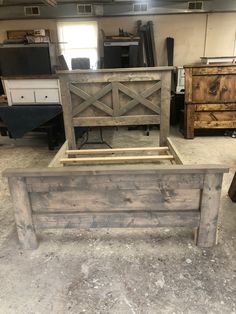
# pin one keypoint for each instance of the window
(79, 40)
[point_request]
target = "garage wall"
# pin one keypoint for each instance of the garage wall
(194, 34)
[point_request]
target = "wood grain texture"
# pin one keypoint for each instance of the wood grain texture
(126, 199)
(117, 220)
(23, 214)
(210, 205)
(165, 107)
(215, 107)
(189, 119)
(67, 113)
(118, 181)
(210, 96)
(215, 124)
(116, 121)
(112, 170)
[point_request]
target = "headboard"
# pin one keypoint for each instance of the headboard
(115, 97)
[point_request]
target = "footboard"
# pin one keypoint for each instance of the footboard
(114, 197)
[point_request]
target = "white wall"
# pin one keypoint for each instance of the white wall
(194, 34)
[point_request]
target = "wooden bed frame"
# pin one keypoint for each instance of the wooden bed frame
(103, 190)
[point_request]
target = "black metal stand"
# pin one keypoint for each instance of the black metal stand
(87, 142)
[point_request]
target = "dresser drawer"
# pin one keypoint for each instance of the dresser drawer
(214, 89)
(22, 96)
(47, 96)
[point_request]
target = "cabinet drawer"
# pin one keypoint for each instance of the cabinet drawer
(47, 96)
(22, 96)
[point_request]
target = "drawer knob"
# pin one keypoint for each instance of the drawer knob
(22, 97)
(46, 96)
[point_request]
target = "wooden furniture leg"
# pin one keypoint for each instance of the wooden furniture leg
(189, 121)
(23, 213)
(210, 203)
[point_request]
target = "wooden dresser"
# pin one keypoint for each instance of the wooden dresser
(210, 97)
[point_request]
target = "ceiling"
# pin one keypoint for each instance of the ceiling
(14, 9)
(225, 3)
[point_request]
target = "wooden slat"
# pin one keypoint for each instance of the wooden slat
(98, 200)
(115, 150)
(145, 94)
(115, 160)
(118, 181)
(117, 220)
(116, 121)
(115, 99)
(174, 151)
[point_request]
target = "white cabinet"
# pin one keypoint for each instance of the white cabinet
(32, 91)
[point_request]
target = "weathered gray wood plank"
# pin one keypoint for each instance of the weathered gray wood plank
(110, 170)
(209, 210)
(165, 107)
(116, 121)
(100, 200)
(67, 113)
(115, 99)
(23, 215)
(127, 181)
(117, 220)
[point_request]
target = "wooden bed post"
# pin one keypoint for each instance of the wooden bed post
(67, 113)
(23, 213)
(210, 203)
(165, 107)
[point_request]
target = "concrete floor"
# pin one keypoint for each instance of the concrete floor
(119, 271)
